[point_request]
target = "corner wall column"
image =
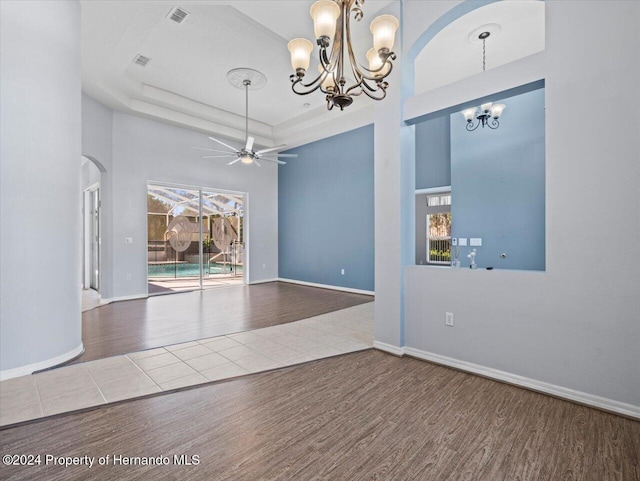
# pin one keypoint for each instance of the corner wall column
(40, 193)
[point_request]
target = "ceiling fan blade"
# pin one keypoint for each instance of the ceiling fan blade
(217, 156)
(274, 160)
(249, 145)
(277, 147)
(234, 161)
(256, 162)
(222, 143)
(287, 155)
(210, 150)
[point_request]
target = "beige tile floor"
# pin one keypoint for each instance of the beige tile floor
(141, 373)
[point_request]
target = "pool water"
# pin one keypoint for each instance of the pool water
(188, 270)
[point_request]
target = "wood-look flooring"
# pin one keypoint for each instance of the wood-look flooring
(362, 416)
(128, 326)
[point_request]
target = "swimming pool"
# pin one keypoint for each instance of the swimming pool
(188, 270)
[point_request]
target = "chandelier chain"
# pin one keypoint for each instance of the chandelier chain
(484, 54)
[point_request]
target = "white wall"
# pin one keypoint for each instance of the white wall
(576, 325)
(39, 185)
(146, 150)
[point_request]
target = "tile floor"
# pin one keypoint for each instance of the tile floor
(141, 373)
(90, 299)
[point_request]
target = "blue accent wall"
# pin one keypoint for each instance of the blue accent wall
(325, 212)
(498, 185)
(433, 153)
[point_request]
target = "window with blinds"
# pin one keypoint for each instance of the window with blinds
(439, 228)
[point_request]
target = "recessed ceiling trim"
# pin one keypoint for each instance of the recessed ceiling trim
(185, 120)
(206, 112)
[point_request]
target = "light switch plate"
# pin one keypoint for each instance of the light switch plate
(475, 241)
(128, 240)
(462, 241)
(454, 241)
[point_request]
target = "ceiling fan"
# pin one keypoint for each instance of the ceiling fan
(246, 78)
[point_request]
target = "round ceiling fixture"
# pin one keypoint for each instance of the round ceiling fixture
(246, 78)
(477, 35)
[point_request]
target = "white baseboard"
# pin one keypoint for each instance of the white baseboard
(533, 384)
(326, 286)
(390, 348)
(39, 366)
(123, 298)
(263, 281)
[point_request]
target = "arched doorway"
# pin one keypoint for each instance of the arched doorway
(91, 171)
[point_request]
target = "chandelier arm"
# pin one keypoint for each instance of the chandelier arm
(390, 55)
(313, 86)
(493, 123)
(344, 27)
(357, 69)
(380, 85)
(371, 92)
(471, 127)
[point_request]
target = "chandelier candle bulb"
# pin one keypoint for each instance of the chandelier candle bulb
(469, 113)
(496, 110)
(300, 49)
(328, 82)
(325, 14)
(384, 29)
(376, 64)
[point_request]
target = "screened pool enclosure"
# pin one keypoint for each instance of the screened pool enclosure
(195, 238)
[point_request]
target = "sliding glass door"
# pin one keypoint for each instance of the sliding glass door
(195, 238)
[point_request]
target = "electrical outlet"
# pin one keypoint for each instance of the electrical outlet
(342, 271)
(448, 319)
(128, 240)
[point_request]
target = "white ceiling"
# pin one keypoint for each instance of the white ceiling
(185, 81)
(452, 56)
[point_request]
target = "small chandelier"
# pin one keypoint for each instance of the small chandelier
(487, 117)
(333, 35)
(489, 112)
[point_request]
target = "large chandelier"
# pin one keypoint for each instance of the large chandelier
(333, 36)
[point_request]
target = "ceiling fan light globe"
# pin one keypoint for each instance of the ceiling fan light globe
(246, 159)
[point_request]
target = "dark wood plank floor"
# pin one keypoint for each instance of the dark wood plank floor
(124, 327)
(362, 416)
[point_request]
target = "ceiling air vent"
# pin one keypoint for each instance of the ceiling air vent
(177, 15)
(141, 60)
